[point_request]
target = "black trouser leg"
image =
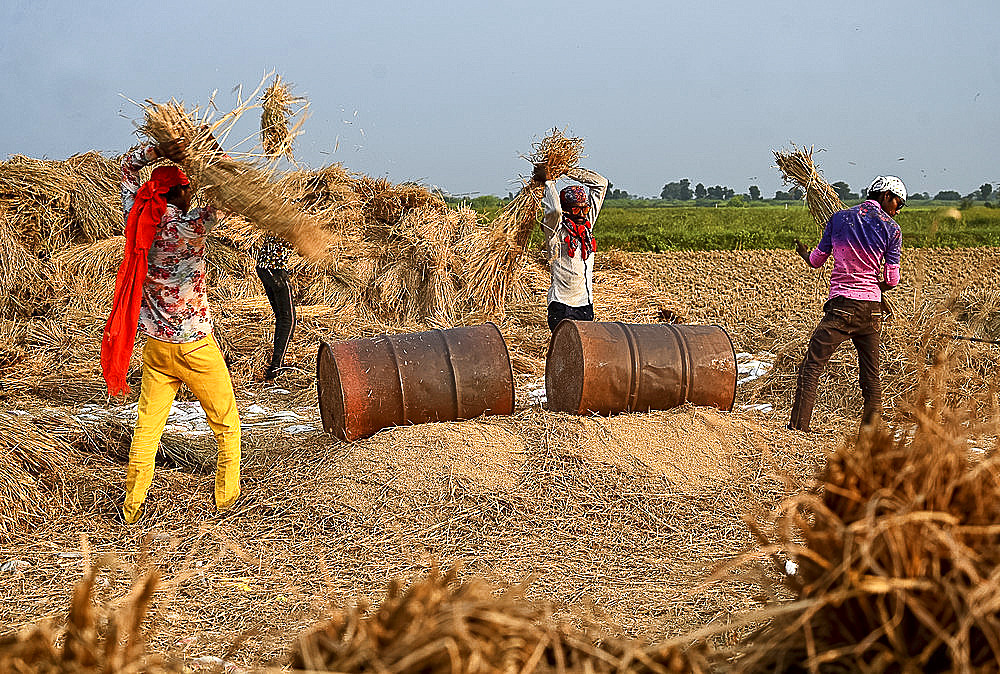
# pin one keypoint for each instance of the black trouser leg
(279, 294)
(825, 340)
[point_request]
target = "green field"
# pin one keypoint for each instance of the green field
(660, 228)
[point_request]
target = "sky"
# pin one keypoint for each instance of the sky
(452, 94)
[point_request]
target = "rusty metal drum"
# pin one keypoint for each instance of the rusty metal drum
(606, 368)
(365, 385)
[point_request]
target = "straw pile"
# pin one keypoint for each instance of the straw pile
(898, 551)
(441, 626)
(52, 204)
(797, 167)
(278, 105)
(235, 187)
(30, 465)
(25, 289)
(396, 252)
(46, 206)
(404, 256)
(92, 643)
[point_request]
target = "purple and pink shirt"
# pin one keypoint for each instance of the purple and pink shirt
(866, 245)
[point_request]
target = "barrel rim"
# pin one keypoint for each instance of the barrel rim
(570, 324)
(320, 397)
(736, 374)
(510, 365)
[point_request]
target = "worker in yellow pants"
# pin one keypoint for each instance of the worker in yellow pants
(162, 288)
(201, 366)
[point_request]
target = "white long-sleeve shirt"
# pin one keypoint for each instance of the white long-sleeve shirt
(572, 277)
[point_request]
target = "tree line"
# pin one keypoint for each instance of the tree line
(681, 190)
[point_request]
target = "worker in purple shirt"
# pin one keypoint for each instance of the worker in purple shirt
(865, 243)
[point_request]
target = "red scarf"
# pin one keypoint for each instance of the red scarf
(580, 235)
(119, 332)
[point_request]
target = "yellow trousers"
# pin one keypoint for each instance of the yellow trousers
(201, 366)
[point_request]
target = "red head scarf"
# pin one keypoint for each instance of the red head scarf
(119, 332)
(573, 195)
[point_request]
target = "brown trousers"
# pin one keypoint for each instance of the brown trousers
(857, 320)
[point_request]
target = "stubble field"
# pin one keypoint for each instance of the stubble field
(618, 521)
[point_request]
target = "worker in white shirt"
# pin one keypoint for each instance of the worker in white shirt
(568, 222)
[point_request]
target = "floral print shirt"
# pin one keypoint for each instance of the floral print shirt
(175, 294)
(273, 253)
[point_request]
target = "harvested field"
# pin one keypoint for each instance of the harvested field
(616, 522)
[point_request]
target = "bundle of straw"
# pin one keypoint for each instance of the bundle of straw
(495, 254)
(25, 286)
(278, 105)
(898, 551)
(796, 166)
(439, 626)
(237, 187)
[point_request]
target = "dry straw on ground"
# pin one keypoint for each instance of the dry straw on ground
(109, 642)
(441, 626)
(897, 551)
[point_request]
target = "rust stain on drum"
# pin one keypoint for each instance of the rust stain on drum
(606, 368)
(365, 385)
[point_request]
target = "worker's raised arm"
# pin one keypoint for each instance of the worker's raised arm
(131, 163)
(820, 253)
(595, 183)
(551, 208)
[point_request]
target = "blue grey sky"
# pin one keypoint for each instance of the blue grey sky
(451, 93)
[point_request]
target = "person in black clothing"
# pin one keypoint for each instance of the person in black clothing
(272, 268)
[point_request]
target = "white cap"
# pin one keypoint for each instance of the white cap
(887, 184)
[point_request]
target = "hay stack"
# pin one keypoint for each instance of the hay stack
(398, 252)
(439, 626)
(898, 551)
(797, 167)
(25, 287)
(56, 203)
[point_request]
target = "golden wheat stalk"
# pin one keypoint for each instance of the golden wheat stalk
(797, 166)
(278, 106)
(234, 186)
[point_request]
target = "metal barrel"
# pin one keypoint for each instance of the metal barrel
(365, 385)
(607, 368)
